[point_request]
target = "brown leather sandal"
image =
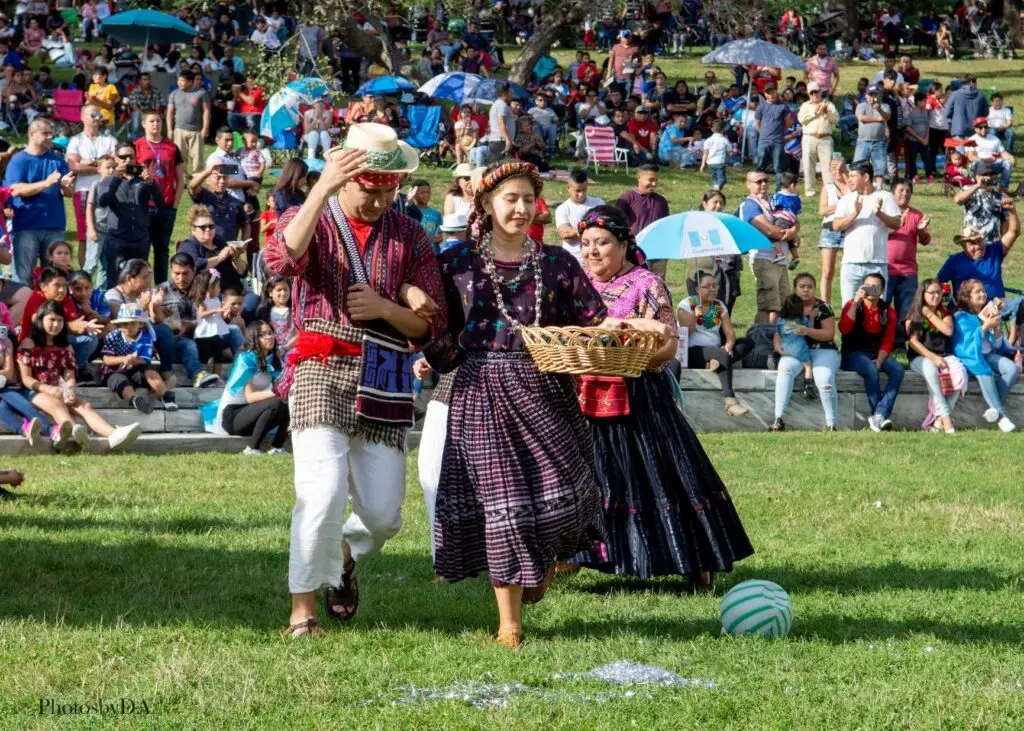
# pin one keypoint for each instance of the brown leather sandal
(345, 595)
(533, 594)
(307, 628)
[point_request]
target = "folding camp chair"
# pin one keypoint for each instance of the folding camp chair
(67, 108)
(601, 149)
(284, 147)
(425, 129)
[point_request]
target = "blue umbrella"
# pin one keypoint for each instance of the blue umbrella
(455, 86)
(487, 91)
(698, 234)
(310, 87)
(136, 27)
(386, 86)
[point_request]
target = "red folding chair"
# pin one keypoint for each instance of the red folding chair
(601, 149)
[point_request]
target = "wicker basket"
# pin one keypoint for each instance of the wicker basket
(591, 350)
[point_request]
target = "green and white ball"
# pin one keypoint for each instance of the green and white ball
(757, 607)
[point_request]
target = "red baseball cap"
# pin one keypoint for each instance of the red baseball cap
(981, 121)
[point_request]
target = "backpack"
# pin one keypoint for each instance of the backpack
(763, 336)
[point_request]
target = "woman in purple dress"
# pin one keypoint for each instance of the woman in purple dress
(666, 510)
(517, 488)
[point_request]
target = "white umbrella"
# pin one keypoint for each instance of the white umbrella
(747, 51)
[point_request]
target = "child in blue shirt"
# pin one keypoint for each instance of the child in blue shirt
(786, 208)
(791, 342)
(88, 300)
(128, 362)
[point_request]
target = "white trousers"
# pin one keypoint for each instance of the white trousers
(435, 431)
(314, 138)
(816, 150)
(328, 467)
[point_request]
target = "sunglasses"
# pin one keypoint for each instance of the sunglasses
(124, 157)
(205, 226)
(760, 181)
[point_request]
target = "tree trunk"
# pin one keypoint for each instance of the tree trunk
(1011, 20)
(539, 44)
(850, 6)
(369, 47)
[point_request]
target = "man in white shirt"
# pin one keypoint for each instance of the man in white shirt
(866, 215)
(84, 149)
(264, 36)
(237, 182)
(988, 148)
(1000, 122)
(571, 212)
(152, 62)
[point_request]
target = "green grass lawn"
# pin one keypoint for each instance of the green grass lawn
(162, 581)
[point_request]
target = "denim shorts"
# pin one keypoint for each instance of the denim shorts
(830, 239)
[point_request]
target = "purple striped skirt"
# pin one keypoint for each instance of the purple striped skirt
(517, 487)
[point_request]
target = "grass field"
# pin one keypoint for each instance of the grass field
(163, 580)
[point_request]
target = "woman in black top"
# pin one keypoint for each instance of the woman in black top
(210, 251)
(930, 332)
(820, 334)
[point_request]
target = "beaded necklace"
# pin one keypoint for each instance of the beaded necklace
(530, 261)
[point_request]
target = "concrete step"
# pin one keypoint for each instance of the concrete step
(162, 443)
(186, 398)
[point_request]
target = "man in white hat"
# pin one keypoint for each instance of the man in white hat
(349, 382)
(818, 117)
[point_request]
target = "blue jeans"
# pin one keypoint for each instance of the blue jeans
(928, 370)
(549, 133)
(1004, 169)
(824, 366)
(995, 388)
(136, 124)
(848, 127)
(233, 340)
(875, 151)
(774, 150)
(863, 364)
(851, 276)
(717, 176)
(750, 136)
(899, 292)
(1008, 136)
(916, 149)
(29, 246)
(16, 406)
(84, 346)
(173, 350)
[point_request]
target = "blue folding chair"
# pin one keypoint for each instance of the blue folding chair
(425, 128)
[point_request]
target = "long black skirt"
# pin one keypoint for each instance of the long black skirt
(666, 511)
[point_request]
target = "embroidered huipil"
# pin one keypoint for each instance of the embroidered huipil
(394, 251)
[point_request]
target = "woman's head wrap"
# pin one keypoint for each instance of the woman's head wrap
(614, 221)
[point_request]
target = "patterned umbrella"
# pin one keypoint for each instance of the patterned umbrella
(455, 86)
(487, 91)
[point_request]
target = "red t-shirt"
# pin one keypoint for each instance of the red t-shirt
(536, 230)
(643, 132)
(164, 157)
(36, 300)
(269, 216)
(258, 104)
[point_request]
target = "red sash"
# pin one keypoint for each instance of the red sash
(603, 396)
(310, 345)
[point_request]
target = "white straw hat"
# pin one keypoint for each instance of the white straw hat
(453, 222)
(385, 153)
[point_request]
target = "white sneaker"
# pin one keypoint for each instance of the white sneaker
(278, 451)
(123, 436)
(250, 452)
(886, 424)
(81, 436)
(875, 422)
(991, 416)
(1006, 425)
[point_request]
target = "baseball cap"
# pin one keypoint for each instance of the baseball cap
(980, 121)
(640, 110)
(873, 89)
(813, 86)
(769, 86)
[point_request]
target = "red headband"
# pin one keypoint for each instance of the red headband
(377, 180)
